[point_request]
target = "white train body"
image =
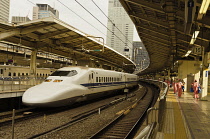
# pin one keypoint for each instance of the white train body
(74, 84)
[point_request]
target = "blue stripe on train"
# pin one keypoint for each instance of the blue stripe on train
(99, 85)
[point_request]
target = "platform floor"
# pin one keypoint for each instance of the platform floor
(186, 117)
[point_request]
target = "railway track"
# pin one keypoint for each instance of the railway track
(27, 113)
(21, 114)
(80, 117)
(123, 125)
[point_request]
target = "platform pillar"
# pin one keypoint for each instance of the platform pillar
(33, 62)
(204, 85)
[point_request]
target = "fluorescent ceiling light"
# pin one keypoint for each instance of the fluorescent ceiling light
(204, 6)
(194, 36)
(188, 52)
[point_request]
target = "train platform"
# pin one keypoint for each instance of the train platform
(9, 91)
(186, 117)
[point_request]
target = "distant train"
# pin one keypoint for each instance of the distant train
(20, 71)
(69, 85)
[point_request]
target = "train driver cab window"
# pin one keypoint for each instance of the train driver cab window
(64, 73)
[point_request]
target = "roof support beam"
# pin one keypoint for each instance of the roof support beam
(19, 31)
(154, 7)
(169, 8)
(153, 30)
(150, 20)
(154, 36)
(155, 41)
(52, 34)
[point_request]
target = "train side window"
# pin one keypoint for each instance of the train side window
(9, 74)
(18, 74)
(14, 74)
(26, 74)
(92, 75)
(23, 74)
(96, 79)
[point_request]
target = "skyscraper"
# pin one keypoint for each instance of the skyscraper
(120, 29)
(44, 10)
(4, 10)
(140, 55)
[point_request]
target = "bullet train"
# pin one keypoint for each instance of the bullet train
(69, 85)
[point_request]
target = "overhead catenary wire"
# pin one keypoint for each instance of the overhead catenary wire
(110, 21)
(100, 22)
(31, 2)
(80, 17)
(75, 14)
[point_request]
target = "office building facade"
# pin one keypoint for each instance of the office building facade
(44, 10)
(140, 56)
(20, 19)
(4, 10)
(120, 29)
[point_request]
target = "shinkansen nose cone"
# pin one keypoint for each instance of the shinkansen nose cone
(42, 94)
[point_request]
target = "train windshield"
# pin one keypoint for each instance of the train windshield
(64, 73)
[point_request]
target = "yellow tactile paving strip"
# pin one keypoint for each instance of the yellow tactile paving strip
(174, 129)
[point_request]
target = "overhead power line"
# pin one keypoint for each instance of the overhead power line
(100, 22)
(79, 16)
(111, 21)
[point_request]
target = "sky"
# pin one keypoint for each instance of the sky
(72, 13)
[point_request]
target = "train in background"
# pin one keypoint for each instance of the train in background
(20, 71)
(69, 85)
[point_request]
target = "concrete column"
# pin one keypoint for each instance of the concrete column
(204, 85)
(33, 63)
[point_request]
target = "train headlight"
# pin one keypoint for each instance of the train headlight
(57, 80)
(47, 80)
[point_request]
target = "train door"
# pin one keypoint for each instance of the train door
(91, 80)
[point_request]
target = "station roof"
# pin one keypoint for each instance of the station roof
(55, 36)
(166, 28)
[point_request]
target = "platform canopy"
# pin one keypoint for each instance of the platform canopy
(55, 36)
(170, 30)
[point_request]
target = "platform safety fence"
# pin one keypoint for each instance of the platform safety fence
(157, 114)
(18, 83)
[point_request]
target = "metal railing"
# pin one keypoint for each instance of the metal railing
(18, 83)
(156, 115)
